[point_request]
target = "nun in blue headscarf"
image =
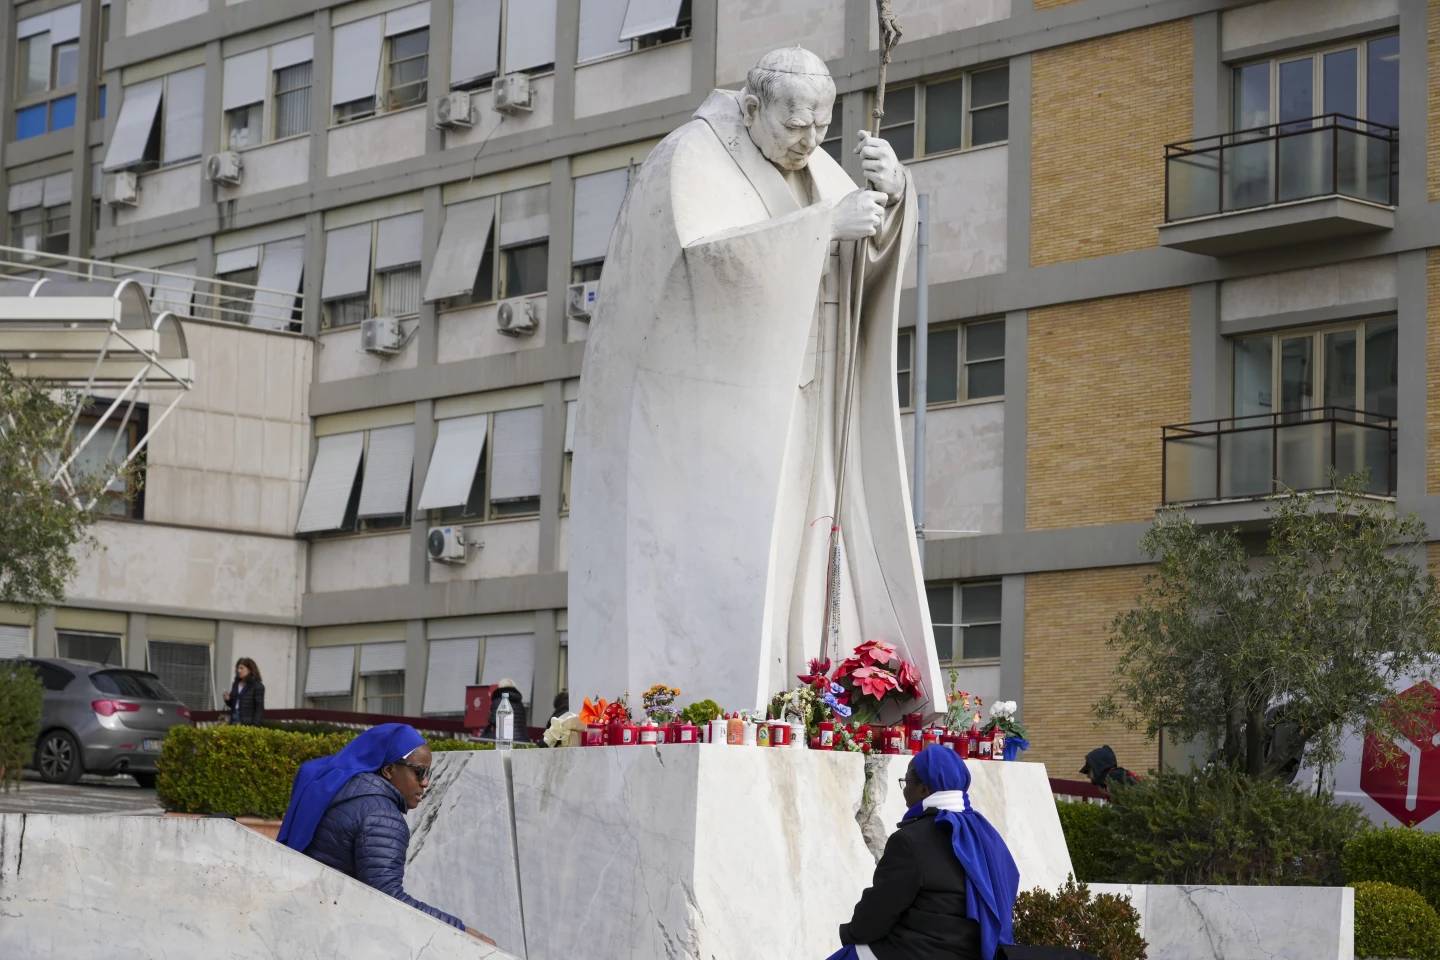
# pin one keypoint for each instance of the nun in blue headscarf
(347, 810)
(945, 887)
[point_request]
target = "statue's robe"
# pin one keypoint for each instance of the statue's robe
(708, 431)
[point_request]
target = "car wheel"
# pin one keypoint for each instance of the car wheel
(58, 758)
(146, 780)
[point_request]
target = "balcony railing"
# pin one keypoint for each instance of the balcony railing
(1238, 458)
(1329, 155)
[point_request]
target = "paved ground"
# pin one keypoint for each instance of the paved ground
(93, 795)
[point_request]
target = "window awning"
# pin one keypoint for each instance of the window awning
(475, 40)
(570, 426)
(330, 671)
(530, 40)
(246, 79)
(355, 69)
(510, 658)
(332, 480)
(450, 670)
(462, 246)
(65, 24)
(649, 16)
(598, 198)
(280, 270)
(515, 460)
(381, 658)
(57, 189)
(385, 491)
(398, 243)
(600, 23)
(233, 261)
(459, 442)
(525, 216)
(414, 17)
(184, 115)
(347, 262)
(291, 52)
(132, 130)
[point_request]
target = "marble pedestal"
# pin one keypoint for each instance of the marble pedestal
(1014, 797)
(462, 846)
(687, 852)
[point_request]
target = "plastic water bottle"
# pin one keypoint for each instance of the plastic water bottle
(504, 723)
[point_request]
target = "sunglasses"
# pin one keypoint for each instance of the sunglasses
(422, 774)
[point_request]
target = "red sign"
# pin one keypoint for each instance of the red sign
(1404, 777)
(477, 706)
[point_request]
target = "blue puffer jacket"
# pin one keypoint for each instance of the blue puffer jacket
(364, 835)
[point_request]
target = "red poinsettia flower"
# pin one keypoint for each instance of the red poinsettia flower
(874, 681)
(848, 666)
(909, 678)
(876, 651)
(819, 673)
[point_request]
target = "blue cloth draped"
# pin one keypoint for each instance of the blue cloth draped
(317, 781)
(844, 953)
(991, 878)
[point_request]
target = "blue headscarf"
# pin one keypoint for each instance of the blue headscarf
(991, 878)
(317, 781)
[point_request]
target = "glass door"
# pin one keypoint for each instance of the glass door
(1246, 159)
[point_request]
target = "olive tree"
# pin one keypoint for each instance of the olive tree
(1269, 658)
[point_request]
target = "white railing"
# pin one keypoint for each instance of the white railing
(187, 296)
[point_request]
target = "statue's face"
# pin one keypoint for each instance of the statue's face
(789, 128)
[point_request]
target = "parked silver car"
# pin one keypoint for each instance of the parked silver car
(99, 719)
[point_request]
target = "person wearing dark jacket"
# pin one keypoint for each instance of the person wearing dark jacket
(1104, 770)
(246, 696)
(945, 887)
(347, 810)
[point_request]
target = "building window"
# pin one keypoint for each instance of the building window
(680, 31)
(385, 693)
(100, 102)
(586, 272)
(47, 60)
(372, 269)
(33, 63)
(160, 123)
(485, 468)
(101, 648)
(966, 362)
(27, 228)
(243, 126)
(65, 63)
(232, 301)
(360, 481)
(105, 453)
(966, 620)
(407, 67)
(400, 291)
(1353, 366)
(57, 230)
(184, 669)
(292, 100)
(949, 114)
(524, 268)
(347, 311)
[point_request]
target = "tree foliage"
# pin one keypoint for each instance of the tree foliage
(20, 703)
(1269, 659)
(39, 525)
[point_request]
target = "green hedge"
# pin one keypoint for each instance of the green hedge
(1085, 836)
(1408, 858)
(1394, 921)
(20, 702)
(245, 771)
(1106, 925)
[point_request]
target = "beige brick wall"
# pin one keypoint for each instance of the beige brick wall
(1433, 147)
(1104, 376)
(1432, 371)
(1101, 113)
(1068, 667)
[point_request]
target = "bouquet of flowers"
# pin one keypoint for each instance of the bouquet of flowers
(659, 703)
(702, 712)
(1002, 717)
(872, 679)
(564, 730)
(964, 707)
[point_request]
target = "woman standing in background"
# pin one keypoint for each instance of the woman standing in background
(246, 696)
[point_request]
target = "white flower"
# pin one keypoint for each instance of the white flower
(1003, 709)
(558, 733)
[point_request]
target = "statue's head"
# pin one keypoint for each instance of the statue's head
(787, 102)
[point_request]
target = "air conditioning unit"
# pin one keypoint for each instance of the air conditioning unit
(454, 110)
(122, 189)
(512, 93)
(224, 167)
(446, 544)
(518, 318)
(382, 335)
(580, 299)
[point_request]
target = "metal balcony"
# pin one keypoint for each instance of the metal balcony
(1300, 181)
(1248, 458)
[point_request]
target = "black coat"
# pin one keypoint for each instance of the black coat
(248, 705)
(914, 908)
(364, 835)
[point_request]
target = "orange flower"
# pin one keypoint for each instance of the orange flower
(593, 712)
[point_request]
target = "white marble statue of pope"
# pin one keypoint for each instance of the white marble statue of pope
(709, 421)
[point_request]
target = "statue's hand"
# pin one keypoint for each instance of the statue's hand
(858, 215)
(882, 168)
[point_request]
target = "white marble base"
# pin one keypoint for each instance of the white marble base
(462, 846)
(1015, 797)
(687, 852)
(1243, 923)
(77, 886)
